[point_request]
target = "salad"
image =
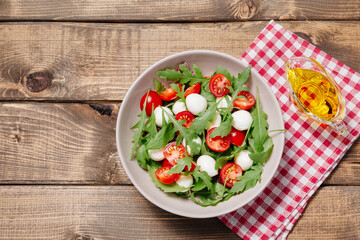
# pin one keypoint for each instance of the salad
(202, 137)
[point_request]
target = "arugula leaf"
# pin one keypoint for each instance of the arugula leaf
(181, 163)
(205, 91)
(141, 156)
(162, 137)
(198, 74)
(221, 69)
(184, 76)
(199, 185)
(169, 74)
(140, 126)
(201, 122)
(179, 91)
(259, 126)
(222, 160)
(224, 129)
(262, 157)
(165, 187)
(158, 87)
(248, 180)
(150, 125)
(240, 81)
(204, 176)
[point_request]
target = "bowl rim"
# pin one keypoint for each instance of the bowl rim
(122, 157)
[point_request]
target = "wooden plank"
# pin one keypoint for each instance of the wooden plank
(183, 10)
(70, 143)
(333, 213)
(120, 212)
(77, 62)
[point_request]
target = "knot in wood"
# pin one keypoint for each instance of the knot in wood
(244, 9)
(83, 237)
(38, 81)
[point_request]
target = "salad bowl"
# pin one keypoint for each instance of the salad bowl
(207, 61)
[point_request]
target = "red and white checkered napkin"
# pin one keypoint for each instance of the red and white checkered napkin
(311, 151)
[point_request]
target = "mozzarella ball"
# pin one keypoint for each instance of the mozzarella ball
(223, 102)
(159, 113)
(185, 181)
(216, 122)
(207, 164)
(241, 120)
(197, 140)
(196, 103)
(156, 154)
(243, 160)
(179, 106)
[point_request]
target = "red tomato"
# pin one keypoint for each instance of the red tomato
(173, 152)
(237, 137)
(188, 116)
(152, 99)
(219, 85)
(218, 144)
(193, 89)
(244, 103)
(162, 176)
(169, 94)
(229, 173)
(166, 163)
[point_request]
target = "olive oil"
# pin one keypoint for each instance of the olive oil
(315, 92)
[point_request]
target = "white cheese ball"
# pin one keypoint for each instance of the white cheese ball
(243, 160)
(159, 113)
(196, 103)
(156, 154)
(185, 181)
(216, 122)
(241, 120)
(223, 102)
(197, 140)
(207, 164)
(179, 106)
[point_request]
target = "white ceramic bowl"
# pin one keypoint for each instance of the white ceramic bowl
(207, 62)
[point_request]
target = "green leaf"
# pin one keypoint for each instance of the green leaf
(150, 125)
(169, 74)
(198, 74)
(162, 137)
(204, 176)
(199, 185)
(179, 92)
(201, 122)
(262, 157)
(224, 129)
(259, 126)
(184, 76)
(165, 187)
(222, 160)
(248, 180)
(158, 87)
(241, 79)
(205, 91)
(181, 163)
(221, 69)
(142, 156)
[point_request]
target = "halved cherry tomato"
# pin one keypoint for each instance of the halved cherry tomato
(188, 116)
(169, 94)
(244, 103)
(193, 89)
(237, 137)
(166, 163)
(152, 99)
(229, 173)
(219, 85)
(173, 152)
(218, 144)
(162, 176)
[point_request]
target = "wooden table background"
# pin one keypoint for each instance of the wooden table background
(65, 67)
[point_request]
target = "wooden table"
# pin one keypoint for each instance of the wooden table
(65, 67)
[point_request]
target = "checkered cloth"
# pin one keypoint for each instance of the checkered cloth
(311, 150)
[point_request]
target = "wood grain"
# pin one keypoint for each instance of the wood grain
(181, 10)
(70, 143)
(78, 62)
(120, 212)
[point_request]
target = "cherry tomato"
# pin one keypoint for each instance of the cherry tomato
(244, 103)
(229, 173)
(218, 144)
(219, 85)
(162, 176)
(152, 99)
(237, 137)
(166, 163)
(169, 94)
(193, 89)
(188, 116)
(173, 152)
